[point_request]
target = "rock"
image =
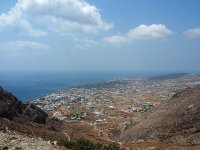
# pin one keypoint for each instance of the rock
(26, 118)
(5, 148)
(58, 115)
(37, 115)
(21, 142)
(10, 106)
(54, 124)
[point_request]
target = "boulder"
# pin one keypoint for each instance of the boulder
(36, 114)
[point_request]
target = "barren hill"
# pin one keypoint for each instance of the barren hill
(175, 121)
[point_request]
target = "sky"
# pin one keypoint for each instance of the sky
(100, 35)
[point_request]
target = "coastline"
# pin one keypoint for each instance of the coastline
(31, 85)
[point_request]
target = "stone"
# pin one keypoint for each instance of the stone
(10, 106)
(37, 115)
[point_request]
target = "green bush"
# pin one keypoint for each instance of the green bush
(85, 144)
(112, 146)
(65, 143)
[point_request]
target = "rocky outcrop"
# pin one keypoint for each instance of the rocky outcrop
(36, 114)
(10, 106)
(27, 118)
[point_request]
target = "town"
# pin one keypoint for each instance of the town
(109, 107)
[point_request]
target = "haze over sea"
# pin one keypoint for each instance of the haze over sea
(30, 85)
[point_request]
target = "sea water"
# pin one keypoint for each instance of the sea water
(31, 85)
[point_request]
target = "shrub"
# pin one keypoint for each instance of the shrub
(65, 143)
(85, 144)
(112, 146)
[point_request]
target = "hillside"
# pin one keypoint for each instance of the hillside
(128, 111)
(169, 76)
(175, 121)
(25, 126)
(103, 111)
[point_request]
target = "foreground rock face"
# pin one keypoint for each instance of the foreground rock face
(11, 107)
(36, 114)
(176, 121)
(27, 118)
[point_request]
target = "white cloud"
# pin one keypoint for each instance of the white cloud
(62, 16)
(117, 39)
(192, 33)
(14, 20)
(149, 32)
(85, 44)
(141, 32)
(22, 45)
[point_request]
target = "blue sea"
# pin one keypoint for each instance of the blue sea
(31, 85)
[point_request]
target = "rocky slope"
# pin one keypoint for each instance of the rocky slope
(175, 121)
(23, 126)
(11, 107)
(15, 141)
(174, 124)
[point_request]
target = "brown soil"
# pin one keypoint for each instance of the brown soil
(176, 121)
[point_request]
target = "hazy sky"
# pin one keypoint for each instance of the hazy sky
(97, 35)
